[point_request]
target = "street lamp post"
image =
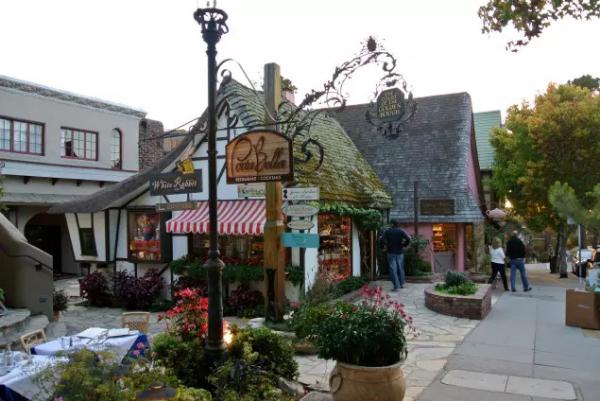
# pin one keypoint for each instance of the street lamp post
(213, 22)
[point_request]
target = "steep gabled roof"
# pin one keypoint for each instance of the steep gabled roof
(344, 177)
(433, 148)
(484, 122)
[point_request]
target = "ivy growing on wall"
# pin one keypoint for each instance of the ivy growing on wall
(365, 219)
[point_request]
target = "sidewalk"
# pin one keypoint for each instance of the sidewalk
(523, 352)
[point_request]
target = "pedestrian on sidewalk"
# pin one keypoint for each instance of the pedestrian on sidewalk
(394, 239)
(515, 250)
(498, 263)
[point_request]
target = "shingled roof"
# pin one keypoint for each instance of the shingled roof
(344, 177)
(434, 149)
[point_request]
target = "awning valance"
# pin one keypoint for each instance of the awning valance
(241, 217)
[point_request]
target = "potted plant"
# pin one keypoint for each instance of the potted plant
(368, 343)
(60, 302)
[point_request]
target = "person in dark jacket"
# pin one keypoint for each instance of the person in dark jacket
(515, 250)
(395, 240)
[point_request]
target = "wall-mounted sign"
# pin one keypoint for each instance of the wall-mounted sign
(300, 225)
(390, 104)
(176, 183)
(254, 190)
(172, 206)
(301, 193)
(435, 207)
(259, 156)
(300, 210)
(297, 240)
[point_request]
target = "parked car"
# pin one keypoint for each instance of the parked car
(579, 267)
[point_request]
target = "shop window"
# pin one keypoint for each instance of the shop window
(335, 251)
(235, 249)
(87, 242)
(444, 237)
(147, 240)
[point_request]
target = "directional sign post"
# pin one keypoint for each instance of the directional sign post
(297, 240)
(300, 210)
(300, 193)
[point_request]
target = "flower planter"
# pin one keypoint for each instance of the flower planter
(475, 306)
(359, 383)
(55, 316)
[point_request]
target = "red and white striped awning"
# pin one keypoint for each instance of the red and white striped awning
(239, 217)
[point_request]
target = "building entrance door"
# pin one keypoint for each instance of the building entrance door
(444, 247)
(47, 238)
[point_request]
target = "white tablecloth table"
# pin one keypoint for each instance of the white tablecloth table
(20, 384)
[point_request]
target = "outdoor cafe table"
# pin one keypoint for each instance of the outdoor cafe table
(19, 384)
(121, 346)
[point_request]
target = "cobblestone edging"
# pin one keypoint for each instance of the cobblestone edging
(475, 306)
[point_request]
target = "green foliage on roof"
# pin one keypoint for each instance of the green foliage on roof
(344, 177)
(484, 123)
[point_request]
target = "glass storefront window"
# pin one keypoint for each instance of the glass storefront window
(235, 249)
(335, 251)
(144, 231)
(444, 237)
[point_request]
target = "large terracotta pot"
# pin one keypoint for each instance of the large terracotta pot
(359, 383)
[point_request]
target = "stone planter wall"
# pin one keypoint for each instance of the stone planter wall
(475, 306)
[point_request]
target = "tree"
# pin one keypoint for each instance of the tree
(586, 81)
(556, 139)
(566, 202)
(531, 17)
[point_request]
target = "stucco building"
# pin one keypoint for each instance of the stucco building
(57, 146)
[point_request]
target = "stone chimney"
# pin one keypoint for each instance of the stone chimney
(151, 150)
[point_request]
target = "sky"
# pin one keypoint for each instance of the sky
(149, 54)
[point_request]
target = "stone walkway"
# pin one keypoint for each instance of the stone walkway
(427, 353)
(523, 351)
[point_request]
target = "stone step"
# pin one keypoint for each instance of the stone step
(18, 322)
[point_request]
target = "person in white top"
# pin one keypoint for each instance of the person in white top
(498, 263)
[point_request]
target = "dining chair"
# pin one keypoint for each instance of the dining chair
(136, 321)
(32, 339)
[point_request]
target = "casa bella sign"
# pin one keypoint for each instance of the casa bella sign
(259, 156)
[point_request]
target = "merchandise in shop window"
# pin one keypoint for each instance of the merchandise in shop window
(335, 256)
(144, 236)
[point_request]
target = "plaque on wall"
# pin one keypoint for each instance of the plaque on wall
(437, 207)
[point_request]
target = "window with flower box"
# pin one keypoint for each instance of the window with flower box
(78, 144)
(21, 136)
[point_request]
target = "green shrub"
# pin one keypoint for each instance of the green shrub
(414, 265)
(305, 319)
(348, 285)
(467, 288)
(185, 358)
(454, 278)
(275, 354)
(295, 275)
(60, 301)
(191, 394)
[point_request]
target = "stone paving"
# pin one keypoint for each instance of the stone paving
(427, 353)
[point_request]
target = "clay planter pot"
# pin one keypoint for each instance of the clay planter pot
(56, 316)
(359, 383)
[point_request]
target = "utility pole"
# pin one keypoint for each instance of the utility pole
(274, 252)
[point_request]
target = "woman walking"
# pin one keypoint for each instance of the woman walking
(497, 257)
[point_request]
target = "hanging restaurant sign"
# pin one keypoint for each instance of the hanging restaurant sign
(433, 207)
(259, 156)
(175, 183)
(390, 104)
(300, 225)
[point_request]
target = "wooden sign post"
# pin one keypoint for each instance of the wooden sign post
(274, 252)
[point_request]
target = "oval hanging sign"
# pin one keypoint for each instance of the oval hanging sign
(300, 210)
(300, 225)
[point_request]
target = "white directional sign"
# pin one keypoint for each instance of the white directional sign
(300, 225)
(301, 193)
(300, 210)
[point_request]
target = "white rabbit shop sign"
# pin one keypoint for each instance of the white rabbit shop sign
(259, 156)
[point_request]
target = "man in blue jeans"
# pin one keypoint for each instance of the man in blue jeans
(395, 240)
(515, 250)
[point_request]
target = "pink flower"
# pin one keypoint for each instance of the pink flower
(141, 346)
(60, 398)
(135, 353)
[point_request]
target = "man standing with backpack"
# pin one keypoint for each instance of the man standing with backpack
(394, 239)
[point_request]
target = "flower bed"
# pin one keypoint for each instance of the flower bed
(475, 306)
